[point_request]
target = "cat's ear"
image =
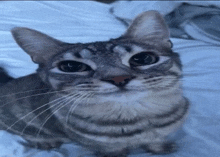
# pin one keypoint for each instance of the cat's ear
(38, 45)
(148, 25)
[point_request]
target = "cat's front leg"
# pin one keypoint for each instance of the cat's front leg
(161, 148)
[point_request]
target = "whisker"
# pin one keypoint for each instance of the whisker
(48, 117)
(58, 103)
(36, 110)
(83, 89)
(23, 92)
(35, 95)
(76, 103)
(88, 96)
(181, 80)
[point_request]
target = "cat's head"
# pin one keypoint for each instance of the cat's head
(141, 59)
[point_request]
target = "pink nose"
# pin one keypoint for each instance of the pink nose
(119, 80)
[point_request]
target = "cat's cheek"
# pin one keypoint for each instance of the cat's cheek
(54, 83)
(106, 88)
(136, 84)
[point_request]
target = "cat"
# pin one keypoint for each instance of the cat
(4, 77)
(110, 97)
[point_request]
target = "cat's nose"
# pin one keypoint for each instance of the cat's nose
(119, 81)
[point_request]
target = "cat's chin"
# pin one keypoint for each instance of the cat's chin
(120, 91)
(120, 96)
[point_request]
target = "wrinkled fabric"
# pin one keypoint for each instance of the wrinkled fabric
(195, 21)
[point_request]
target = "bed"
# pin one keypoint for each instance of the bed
(195, 33)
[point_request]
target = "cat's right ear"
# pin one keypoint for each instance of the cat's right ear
(38, 45)
(149, 25)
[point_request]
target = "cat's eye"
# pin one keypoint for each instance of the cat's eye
(143, 58)
(73, 66)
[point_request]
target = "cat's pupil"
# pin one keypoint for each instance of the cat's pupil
(73, 66)
(143, 58)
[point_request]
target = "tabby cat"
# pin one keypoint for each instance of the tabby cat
(110, 97)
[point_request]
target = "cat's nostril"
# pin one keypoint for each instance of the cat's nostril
(119, 81)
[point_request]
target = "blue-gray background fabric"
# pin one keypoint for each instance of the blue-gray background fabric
(86, 21)
(205, 20)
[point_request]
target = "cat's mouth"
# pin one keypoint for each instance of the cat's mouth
(122, 89)
(117, 91)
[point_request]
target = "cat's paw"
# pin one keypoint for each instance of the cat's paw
(161, 148)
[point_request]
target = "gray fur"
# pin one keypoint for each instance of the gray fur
(109, 105)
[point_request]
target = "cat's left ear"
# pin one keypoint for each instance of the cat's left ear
(149, 25)
(39, 46)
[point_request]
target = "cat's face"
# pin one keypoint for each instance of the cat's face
(106, 68)
(137, 67)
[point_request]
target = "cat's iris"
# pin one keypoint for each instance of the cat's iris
(143, 58)
(73, 66)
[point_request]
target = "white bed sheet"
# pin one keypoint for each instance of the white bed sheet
(80, 21)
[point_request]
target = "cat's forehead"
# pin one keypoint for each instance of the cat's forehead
(91, 50)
